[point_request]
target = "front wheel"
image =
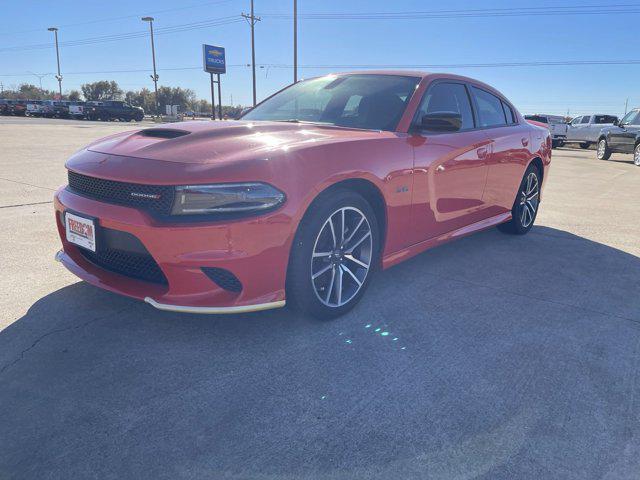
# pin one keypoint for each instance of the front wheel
(604, 152)
(636, 156)
(334, 254)
(525, 207)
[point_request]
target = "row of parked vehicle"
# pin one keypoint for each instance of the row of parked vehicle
(608, 132)
(103, 110)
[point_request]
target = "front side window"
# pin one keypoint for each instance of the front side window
(586, 119)
(374, 102)
(490, 110)
(449, 98)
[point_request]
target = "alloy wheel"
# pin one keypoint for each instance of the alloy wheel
(636, 156)
(602, 148)
(341, 257)
(529, 199)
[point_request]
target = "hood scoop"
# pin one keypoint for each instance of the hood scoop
(162, 133)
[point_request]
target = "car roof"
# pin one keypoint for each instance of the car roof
(418, 74)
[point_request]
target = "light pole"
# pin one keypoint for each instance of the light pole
(40, 76)
(295, 41)
(154, 77)
(58, 77)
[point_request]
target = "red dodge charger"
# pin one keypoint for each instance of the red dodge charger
(304, 197)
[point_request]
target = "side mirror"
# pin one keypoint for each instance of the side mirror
(440, 122)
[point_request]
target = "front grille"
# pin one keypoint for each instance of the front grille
(153, 198)
(121, 252)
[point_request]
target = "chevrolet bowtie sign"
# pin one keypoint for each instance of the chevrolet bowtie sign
(213, 59)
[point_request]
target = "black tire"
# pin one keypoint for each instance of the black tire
(517, 225)
(304, 292)
(636, 156)
(603, 152)
(585, 145)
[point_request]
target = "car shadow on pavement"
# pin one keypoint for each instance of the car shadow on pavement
(491, 357)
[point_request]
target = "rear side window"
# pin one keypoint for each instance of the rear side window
(586, 119)
(490, 110)
(448, 97)
(508, 112)
(604, 119)
(536, 118)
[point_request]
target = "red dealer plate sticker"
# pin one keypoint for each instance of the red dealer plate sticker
(80, 231)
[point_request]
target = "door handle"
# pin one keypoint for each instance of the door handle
(525, 142)
(482, 152)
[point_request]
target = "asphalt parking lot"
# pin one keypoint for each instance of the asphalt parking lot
(516, 357)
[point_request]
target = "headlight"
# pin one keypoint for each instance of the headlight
(229, 198)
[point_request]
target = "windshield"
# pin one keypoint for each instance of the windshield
(374, 102)
(627, 118)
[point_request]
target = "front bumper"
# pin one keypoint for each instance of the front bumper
(255, 250)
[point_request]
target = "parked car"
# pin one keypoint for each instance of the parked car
(4, 106)
(585, 130)
(34, 108)
(304, 197)
(76, 109)
(623, 137)
(556, 125)
(16, 107)
(113, 110)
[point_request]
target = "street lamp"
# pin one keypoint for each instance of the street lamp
(155, 76)
(58, 76)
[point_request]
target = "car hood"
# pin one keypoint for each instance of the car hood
(202, 142)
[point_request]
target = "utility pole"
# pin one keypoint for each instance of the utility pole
(155, 76)
(295, 41)
(58, 77)
(252, 19)
(626, 106)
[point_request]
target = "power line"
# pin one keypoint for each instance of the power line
(214, 22)
(602, 9)
(374, 66)
(111, 19)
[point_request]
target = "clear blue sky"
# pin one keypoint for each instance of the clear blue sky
(448, 39)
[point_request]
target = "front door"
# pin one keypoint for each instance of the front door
(450, 168)
(622, 138)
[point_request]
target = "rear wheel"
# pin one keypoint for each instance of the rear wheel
(636, 156)
(333, 256)
(585, 145)
(604, 152)
(525, 207)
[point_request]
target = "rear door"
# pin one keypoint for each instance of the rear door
(576, 127)
(450, 167)
(509, 141)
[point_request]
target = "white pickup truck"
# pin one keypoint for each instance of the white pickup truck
(585, 129)
(556, 125)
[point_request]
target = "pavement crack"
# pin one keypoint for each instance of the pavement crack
(53, 332)
(28, 184)
(26, 204)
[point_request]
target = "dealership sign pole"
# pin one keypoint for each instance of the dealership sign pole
(214, 61)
